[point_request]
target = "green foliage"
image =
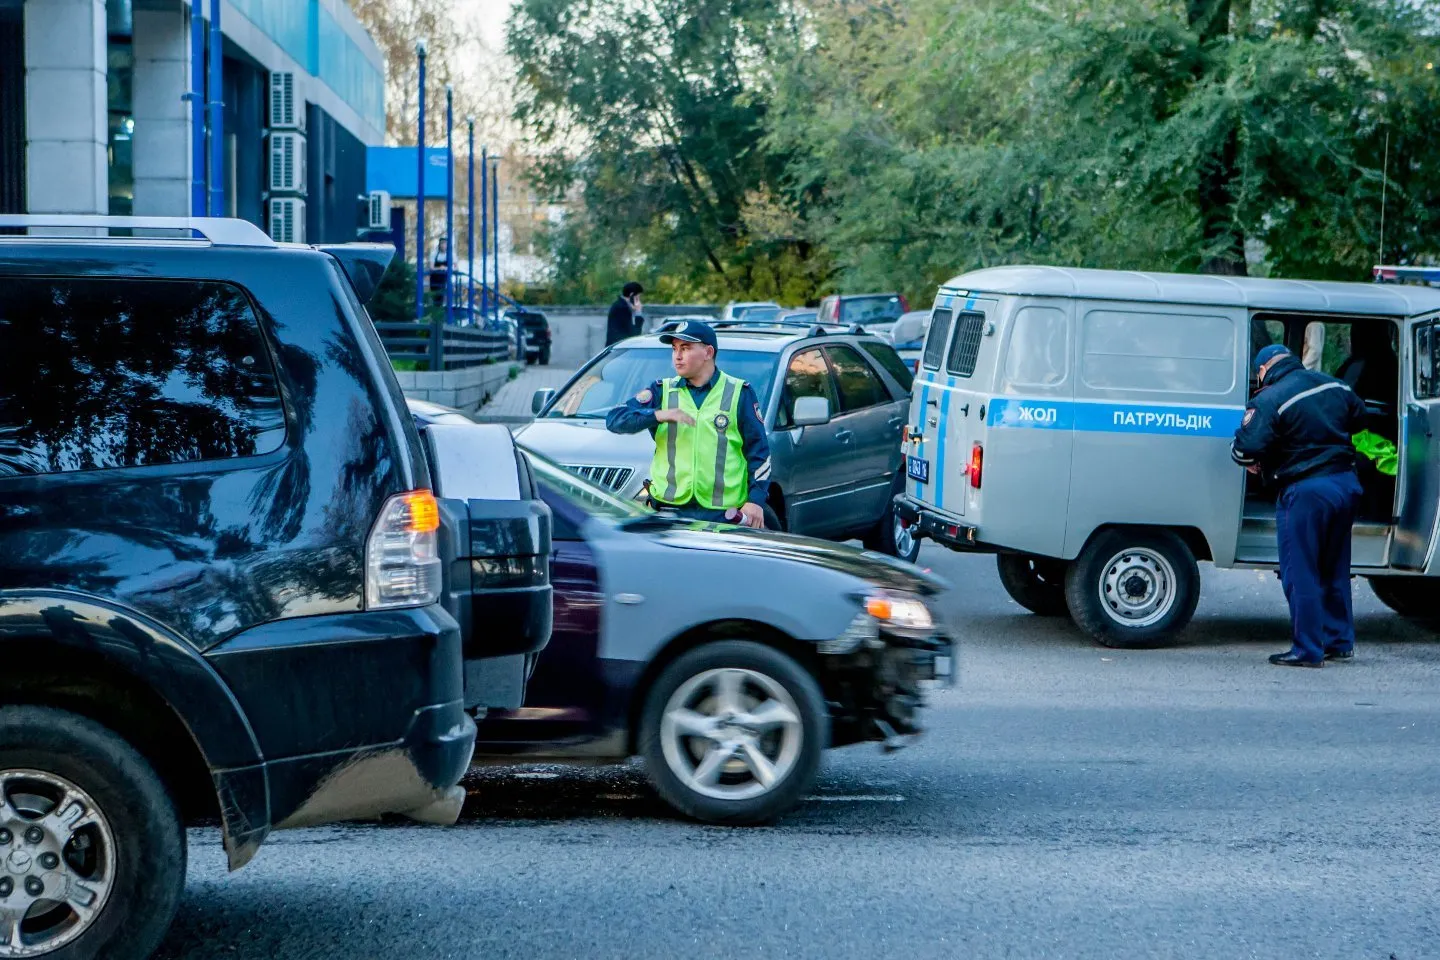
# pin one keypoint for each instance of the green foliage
(653, 117)
(787, 148)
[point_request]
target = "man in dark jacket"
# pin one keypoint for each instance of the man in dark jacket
(625, 319)
(1297, 433)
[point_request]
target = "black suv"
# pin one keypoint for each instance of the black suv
(534, 335)
(227, 590)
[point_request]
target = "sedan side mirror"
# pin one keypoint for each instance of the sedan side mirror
(811, 411)
(541, 397)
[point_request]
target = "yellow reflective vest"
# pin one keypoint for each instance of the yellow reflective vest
(706, 462)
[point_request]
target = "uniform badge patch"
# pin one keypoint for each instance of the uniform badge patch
(721, 421)
(1249, 415)
(644, 395)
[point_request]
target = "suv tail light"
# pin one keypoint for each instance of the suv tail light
(402, 556)
(835, 309)
(904, 304)
(977, 465)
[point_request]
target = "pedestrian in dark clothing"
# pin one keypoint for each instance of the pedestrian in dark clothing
(1297, 433)
(625, 319)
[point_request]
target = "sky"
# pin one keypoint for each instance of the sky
(488, 17)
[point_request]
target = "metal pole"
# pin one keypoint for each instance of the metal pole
(470, 223)
(197, 108)
(484, 231)
(495, 225)
(449, 204)
(420, 277)
(217, 114)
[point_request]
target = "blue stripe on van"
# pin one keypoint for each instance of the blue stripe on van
(920, 422)
(1106, 417)
(940, 446)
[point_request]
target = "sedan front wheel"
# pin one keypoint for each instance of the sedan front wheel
(732, 733)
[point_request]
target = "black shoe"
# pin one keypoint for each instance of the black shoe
(1340, 654)
(1290, 660)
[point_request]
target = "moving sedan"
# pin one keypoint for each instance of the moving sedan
(832, 402)
(725, 658)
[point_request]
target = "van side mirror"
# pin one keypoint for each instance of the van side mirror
(811, 411)
(540, 398)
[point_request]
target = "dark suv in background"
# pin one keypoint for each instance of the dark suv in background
(534, 334)
(228, 590)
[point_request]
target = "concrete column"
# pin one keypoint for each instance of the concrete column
(65, 107)
(162, 118)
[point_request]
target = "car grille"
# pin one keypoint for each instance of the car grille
(612, 478)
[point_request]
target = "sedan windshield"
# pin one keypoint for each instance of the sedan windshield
(623, 373)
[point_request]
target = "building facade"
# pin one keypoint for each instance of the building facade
(96, 111)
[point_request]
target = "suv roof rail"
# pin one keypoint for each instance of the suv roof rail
(856, 329)
(220, 231)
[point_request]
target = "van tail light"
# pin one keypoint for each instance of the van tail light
(905, 433)
(977, 465)
(402, 556)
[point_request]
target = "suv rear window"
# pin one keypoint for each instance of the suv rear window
(98, 373)
(870, 309)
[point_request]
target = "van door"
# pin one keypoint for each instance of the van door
(956, 376)
(1420, 454)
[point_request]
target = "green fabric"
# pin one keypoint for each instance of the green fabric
(706, 462)
(1376, 448)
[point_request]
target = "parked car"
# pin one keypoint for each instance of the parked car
(725, 658)
(907, 336)
(750, 309)
(225, 587)
(874, 311)
(535, 329)
(833, 404)
(654, 323)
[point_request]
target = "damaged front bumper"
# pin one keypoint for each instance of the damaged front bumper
(876, 691)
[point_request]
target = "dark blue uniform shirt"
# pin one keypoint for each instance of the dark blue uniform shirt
(635, 415)
(1299, 425)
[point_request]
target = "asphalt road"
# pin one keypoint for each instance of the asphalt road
(1070, 801)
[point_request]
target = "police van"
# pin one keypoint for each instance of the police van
(1078, 424)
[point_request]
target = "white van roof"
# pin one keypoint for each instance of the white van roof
(1302, 296)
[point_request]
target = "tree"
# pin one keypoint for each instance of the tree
(929, 137)
(650, 116)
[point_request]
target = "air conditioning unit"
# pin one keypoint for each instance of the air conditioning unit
(287, 162)
(287, 108)
(377, 206)
(287, 219)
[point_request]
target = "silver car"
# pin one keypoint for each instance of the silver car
(833, 403)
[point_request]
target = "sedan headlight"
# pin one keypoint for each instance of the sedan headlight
(900, 612)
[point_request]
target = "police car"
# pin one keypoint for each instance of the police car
(1078, 424)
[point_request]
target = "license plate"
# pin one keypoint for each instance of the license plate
(917, 469)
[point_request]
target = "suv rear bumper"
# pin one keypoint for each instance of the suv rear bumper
(356, 714)
(943, 528)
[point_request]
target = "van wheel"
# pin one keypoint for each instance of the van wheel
(1133, 587)
(94, 848)
(1413, 597)
(1036, 583)
(732, 733)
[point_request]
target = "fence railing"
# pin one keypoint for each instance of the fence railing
(460, 346)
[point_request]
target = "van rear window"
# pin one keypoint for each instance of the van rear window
(939, 333)
(969, 328)
(1161, 352)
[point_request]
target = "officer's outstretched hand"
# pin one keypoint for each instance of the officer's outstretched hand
(674, 415)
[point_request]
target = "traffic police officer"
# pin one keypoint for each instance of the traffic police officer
(712, 457)
(1297, 433)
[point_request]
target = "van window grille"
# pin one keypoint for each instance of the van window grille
(939, 333)
(966, 346)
